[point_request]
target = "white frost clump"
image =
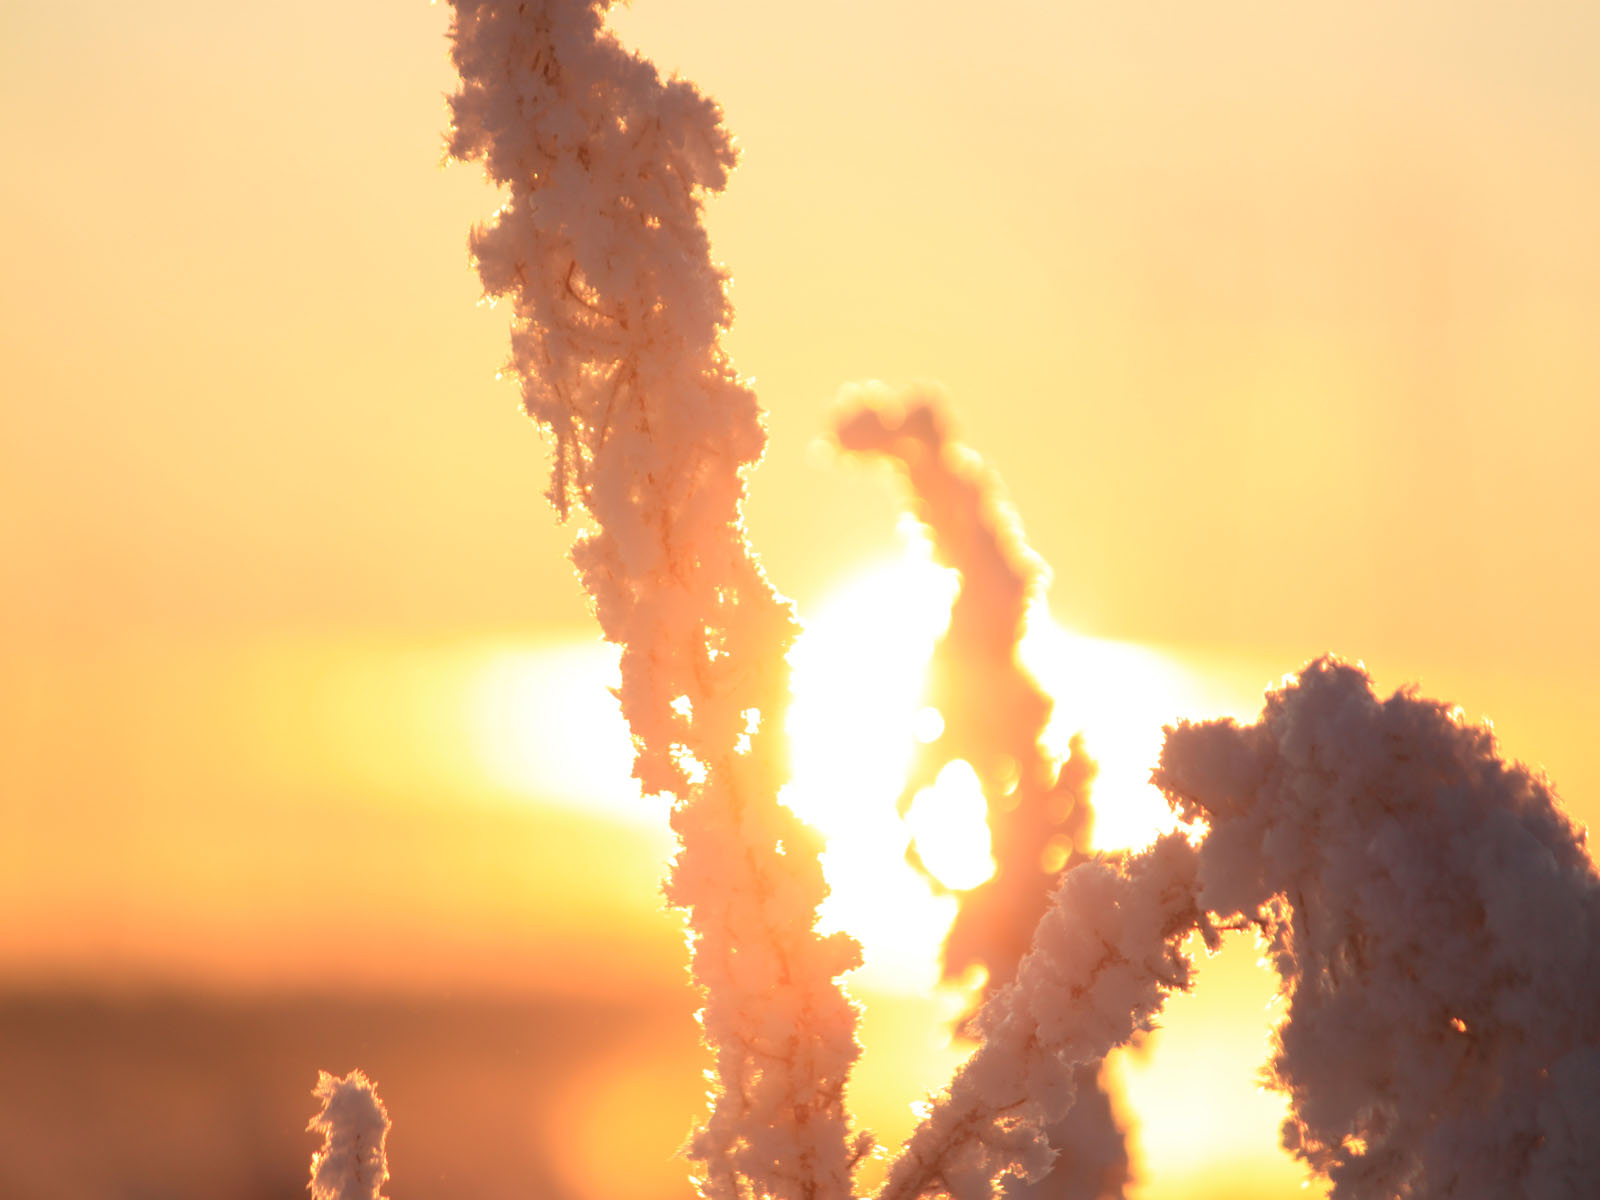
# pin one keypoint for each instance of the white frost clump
(353, 1124)
(1433, 915)
(1436, 922)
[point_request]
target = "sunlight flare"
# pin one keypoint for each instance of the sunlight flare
(544, 726)
(1118, 696)
(858, 672)
(950, 823)
(858, 712)
(547, 726)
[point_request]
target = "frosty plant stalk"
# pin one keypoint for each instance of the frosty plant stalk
(616, 343)
(1432, 913)
(994, 715)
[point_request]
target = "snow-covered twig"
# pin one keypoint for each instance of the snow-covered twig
(1104, 958)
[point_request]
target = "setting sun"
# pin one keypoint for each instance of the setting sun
(949, 823)
(857, 677)
(859, 672)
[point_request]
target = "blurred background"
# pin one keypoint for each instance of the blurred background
(1279, 324)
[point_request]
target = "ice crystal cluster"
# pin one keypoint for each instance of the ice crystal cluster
(1434, 917)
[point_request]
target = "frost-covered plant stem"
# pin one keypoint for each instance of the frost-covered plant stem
(994, 715)
(616, 344)
(351, 1164)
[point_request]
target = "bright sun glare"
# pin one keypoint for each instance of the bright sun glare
(548, 730)
(858, 677)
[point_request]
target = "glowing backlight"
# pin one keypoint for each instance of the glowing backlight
(857, 673)
(546, 727)
(859, 712)
(1118, 696)
(950, 823)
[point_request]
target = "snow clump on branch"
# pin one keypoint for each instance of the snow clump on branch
(1435, 919)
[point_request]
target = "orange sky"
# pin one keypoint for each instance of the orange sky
(1279, 327)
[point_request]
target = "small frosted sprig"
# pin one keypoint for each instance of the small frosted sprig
(354, 1124)
(1105, 956)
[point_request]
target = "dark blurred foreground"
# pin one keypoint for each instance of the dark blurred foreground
(173, 1097)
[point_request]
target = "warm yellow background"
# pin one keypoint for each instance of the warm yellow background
(1280, 325)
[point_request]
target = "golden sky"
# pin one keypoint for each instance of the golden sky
(1280, 327)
